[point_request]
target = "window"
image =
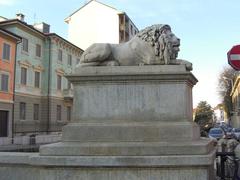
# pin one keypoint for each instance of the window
(69, 113)
(59, 112)
(36, 112)
(78, 60)
(69, 59)
(6, 51)
(60, 55)
(131, 29)
(4, 82)
(38, 50)
(23, 75)
(122, 19)
(22, 110)
(37, 79)
(59, 82)
(25, 44)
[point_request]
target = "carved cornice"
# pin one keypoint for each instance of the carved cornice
(132, 74)
(60, 71)
(39, 68)
(25, 63)
(66, 46)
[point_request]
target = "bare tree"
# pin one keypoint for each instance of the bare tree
(225, 83)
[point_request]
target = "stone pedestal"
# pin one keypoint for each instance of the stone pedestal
(129, 123)
(131, 110)
(134, 116)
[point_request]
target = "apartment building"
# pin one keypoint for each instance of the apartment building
(43, 98)
(96, 22)
(235, 94)
(8, 44)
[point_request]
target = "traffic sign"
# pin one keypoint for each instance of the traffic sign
(234, 57)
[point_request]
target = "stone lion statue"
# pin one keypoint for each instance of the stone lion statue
(153, 45)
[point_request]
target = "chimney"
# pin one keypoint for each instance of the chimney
(43, 27)
(20, 16)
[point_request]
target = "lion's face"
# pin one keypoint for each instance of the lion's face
(173, 43)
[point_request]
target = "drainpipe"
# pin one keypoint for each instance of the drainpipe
(48, 88)
(49, 83)
(14, 85)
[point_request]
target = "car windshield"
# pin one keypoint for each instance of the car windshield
(216, 131)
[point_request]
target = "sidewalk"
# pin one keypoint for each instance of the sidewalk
(19, 148)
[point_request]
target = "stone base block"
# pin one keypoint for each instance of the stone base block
(31, 166)
(131, 132)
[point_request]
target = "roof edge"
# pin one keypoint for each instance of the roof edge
(18, 38)
(86, 5)
(2, 23)
(54, 34)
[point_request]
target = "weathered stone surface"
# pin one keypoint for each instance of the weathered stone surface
(131, 132)
(35, 167)
(133, 94)
(131, 110)
(34, 159)
(198, 147)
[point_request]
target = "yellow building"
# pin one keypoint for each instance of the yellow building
(235, 94)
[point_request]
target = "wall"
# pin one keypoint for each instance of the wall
(235, 94)
(6, 98)
(7, 67)
(60, 67)
(35, 63)
(94, 23)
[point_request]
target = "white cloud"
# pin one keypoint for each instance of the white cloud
(7, 2)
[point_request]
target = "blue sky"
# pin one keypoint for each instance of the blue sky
(207, 29)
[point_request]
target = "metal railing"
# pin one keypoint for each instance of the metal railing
(227, 166)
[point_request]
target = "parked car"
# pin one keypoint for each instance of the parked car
(236, 132)
(226, 127)
(216, 133)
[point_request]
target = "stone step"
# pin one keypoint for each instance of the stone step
(202, 146)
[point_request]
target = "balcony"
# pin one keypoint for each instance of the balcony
(68, 94)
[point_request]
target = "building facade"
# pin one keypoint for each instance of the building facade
(8, 44)
(41, 105)
(235, 94)
(96, 22)
(63, 58)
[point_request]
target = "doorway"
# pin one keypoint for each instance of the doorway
(3, 123)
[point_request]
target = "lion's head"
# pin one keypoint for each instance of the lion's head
(160, 37)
